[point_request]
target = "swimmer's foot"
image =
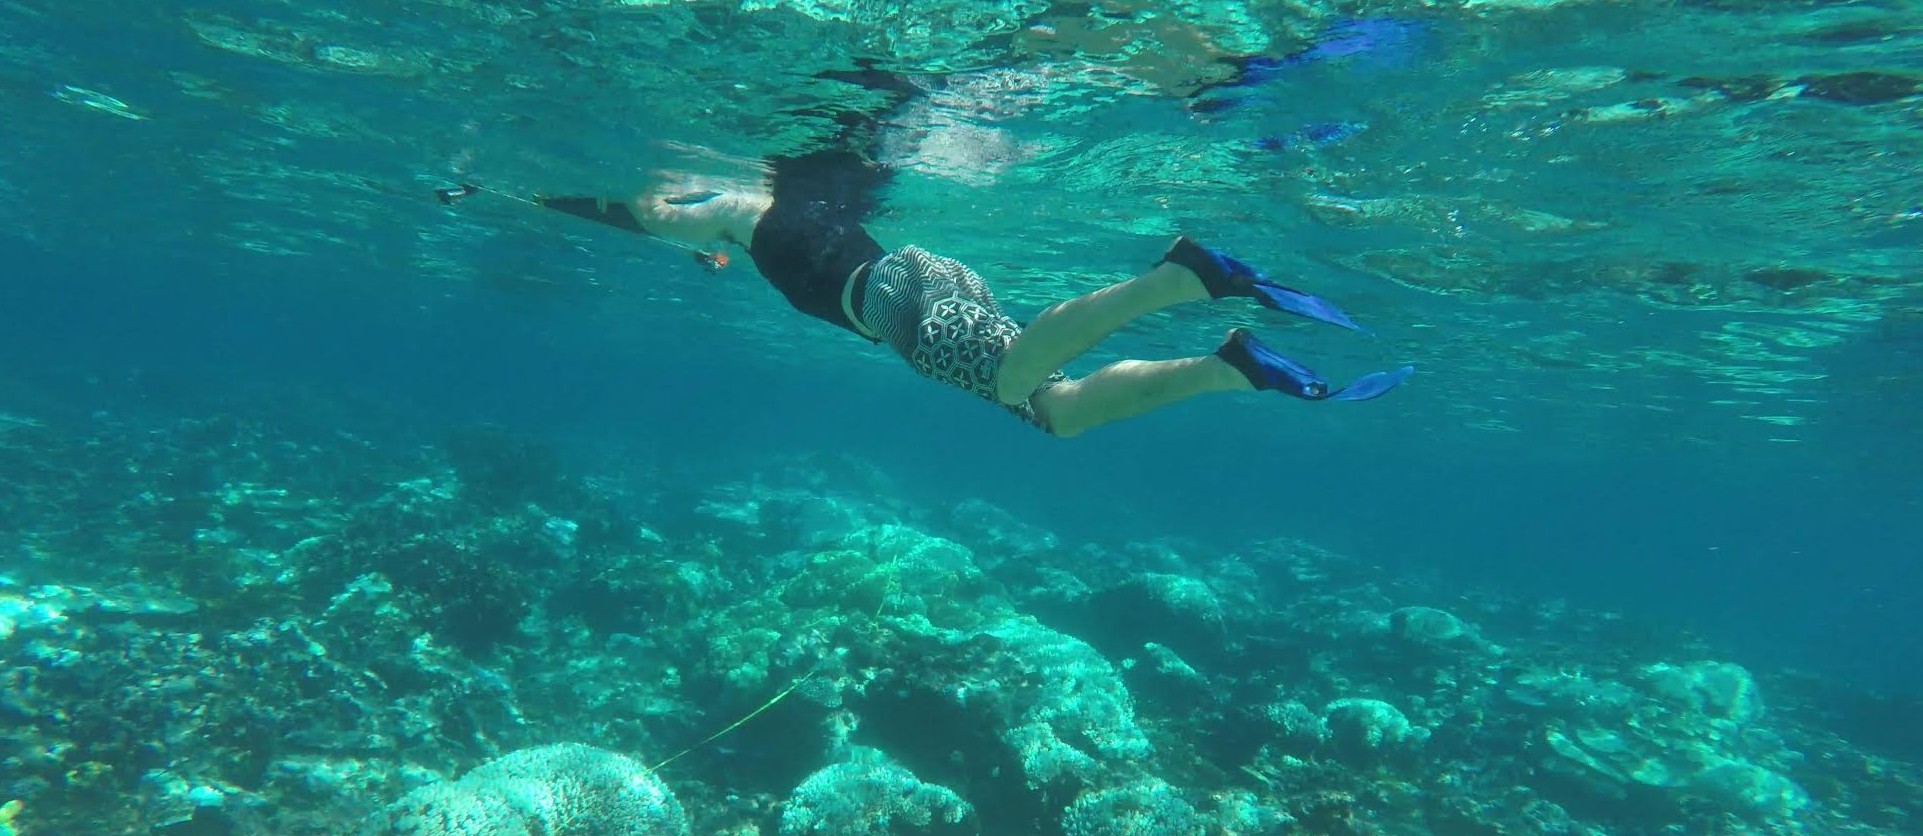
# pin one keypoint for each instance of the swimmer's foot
(1267, 369)
(1223, 275)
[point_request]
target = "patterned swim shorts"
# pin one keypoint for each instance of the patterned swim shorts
(940, 316)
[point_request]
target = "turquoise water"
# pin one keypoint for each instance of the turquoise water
(1657, 265)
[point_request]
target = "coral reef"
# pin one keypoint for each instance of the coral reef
(869, 795)
(305, 629)
(558, 790)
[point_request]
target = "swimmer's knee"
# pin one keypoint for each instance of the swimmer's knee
(1012, 384)
(1054, 412)
(1012, 390)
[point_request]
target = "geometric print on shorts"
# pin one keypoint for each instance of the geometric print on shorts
(941, 317)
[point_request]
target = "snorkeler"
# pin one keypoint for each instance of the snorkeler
(804, 234)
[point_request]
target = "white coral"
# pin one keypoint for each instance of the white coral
(560, 790)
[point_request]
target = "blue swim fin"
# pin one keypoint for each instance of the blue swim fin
(1294, 301)
(1269, 369)
(1223, 275)
(1372, 385)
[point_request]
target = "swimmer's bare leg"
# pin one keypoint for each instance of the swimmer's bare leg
(1068, 329)
(1123, 389)
(1127, 388)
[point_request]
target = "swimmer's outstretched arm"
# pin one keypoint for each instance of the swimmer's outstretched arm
(692, 216)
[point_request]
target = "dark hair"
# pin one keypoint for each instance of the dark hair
(842, 170)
